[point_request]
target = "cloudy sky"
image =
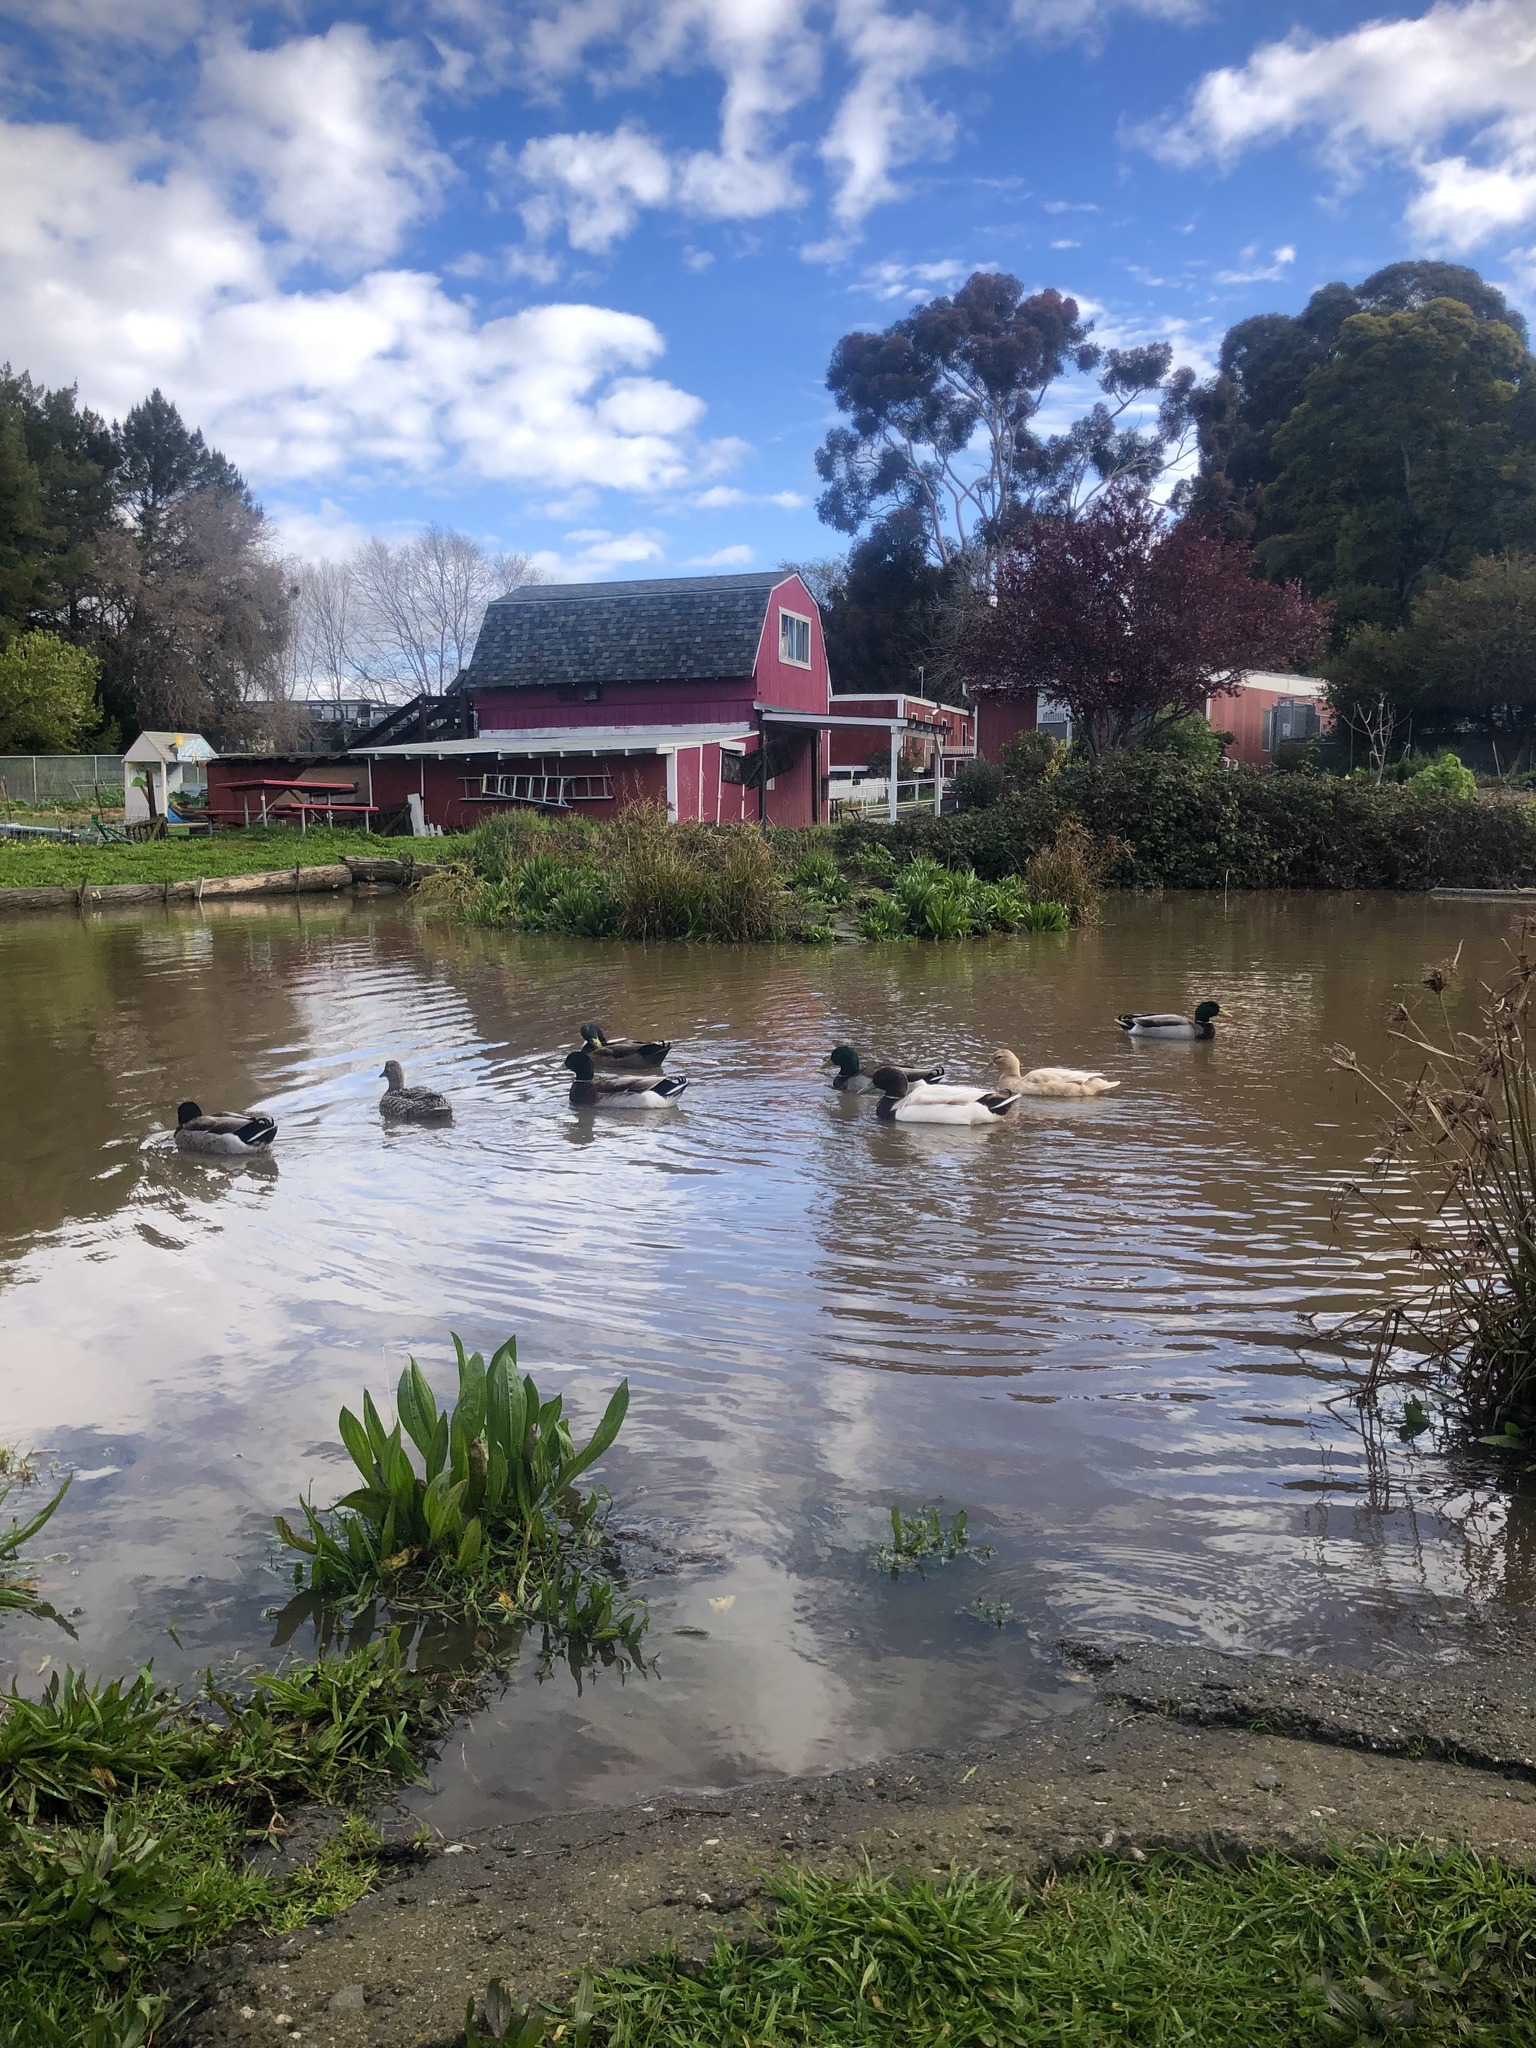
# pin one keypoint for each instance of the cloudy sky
(567, 274)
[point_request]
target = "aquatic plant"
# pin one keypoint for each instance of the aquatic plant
(18, 1592)
(817, 873)
(883, 918)
(492, 1523)
(1464, 1125)
(925, 1538)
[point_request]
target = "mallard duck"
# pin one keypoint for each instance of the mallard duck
(590, 1089)
(906, 1105)
(624, 1052)
(1168, 1023)
(852, 1079)
(223, 1133)
(410, 1105)
(1066, 1084)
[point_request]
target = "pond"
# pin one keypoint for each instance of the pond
(1082, 1326)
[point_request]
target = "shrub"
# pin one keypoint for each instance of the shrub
(977, 785)
(1445, 776)
(1034, 757)
(1071, 870)
(47, 694)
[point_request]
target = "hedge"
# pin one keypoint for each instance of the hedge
(1183, 826)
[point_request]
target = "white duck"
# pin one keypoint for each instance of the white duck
(223, 1133)
(922, 1103)
(1064, 1084)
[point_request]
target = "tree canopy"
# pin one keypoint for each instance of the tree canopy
(1383, 437)
(1132, 623)
(141, 545)
(943, 404)
(1465, 659)
(47, 695)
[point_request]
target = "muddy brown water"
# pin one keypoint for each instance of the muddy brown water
(1082, 1326)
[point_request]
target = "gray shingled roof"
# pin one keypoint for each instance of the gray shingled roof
(674, 628)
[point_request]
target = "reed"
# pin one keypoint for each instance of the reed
(1463, 1126)
(926, 1538)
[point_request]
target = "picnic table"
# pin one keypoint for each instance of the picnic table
(295, 797)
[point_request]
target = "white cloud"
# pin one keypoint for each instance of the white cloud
(738, 557)
(157, 24)
(1256, 272)
(592, 186)
(884, 121)
(894, 280)
(720, 497)
(1066, 243)
(324, 535)
(123, 274)
(328, 131)
(594, 552)
(1402, 91)
(1088, 20)
(1071, 206)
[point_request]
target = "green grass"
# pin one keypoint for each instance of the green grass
(1393, 1946)
(127, 1814)
(45, 864)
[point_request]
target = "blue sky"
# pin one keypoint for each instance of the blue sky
(567, 275)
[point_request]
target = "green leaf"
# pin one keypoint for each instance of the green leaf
(471, 1544)
(378, 1436)
(437, 1455)
(603, 1435)
(418, 1409)
(291, 1536)
(469, 1414)
(355, 1437)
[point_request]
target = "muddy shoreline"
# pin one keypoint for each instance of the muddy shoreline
(1169, 1749)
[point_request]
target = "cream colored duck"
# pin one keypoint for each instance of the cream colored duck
(223, 1133)
(902, 1102)
(1061, 1084)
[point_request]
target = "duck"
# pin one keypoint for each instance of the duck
(1169, 1024)
(1064, 1084)
(590, 1089)
(223, 1133)
(410, 1105)
(851, 1078)
(624, 1052)
(900, 1104)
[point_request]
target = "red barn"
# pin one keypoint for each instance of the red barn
(707, 693)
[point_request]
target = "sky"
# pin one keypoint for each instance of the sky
(567, 275)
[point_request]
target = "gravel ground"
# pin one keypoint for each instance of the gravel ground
(1169, 1749)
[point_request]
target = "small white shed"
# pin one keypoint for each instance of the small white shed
(161, 767)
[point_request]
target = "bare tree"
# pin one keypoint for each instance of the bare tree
(326, 647)
(422, 602)
(396, 619)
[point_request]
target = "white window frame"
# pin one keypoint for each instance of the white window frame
(800, 620)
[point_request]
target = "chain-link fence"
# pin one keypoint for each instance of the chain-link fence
(61, 778)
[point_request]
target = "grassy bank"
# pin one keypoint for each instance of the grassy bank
(1180, 825)
(128, 1813)
(45, 863)
(1169, 1952)
(637, 877)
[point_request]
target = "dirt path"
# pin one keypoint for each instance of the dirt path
(1164, 1752)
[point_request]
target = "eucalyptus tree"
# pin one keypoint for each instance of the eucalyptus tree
(945, 440)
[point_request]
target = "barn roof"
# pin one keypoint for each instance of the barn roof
(665, 629)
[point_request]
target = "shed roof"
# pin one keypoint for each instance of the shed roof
(170, 746)
(665, 629)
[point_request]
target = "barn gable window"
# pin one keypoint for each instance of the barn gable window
(794, 639)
